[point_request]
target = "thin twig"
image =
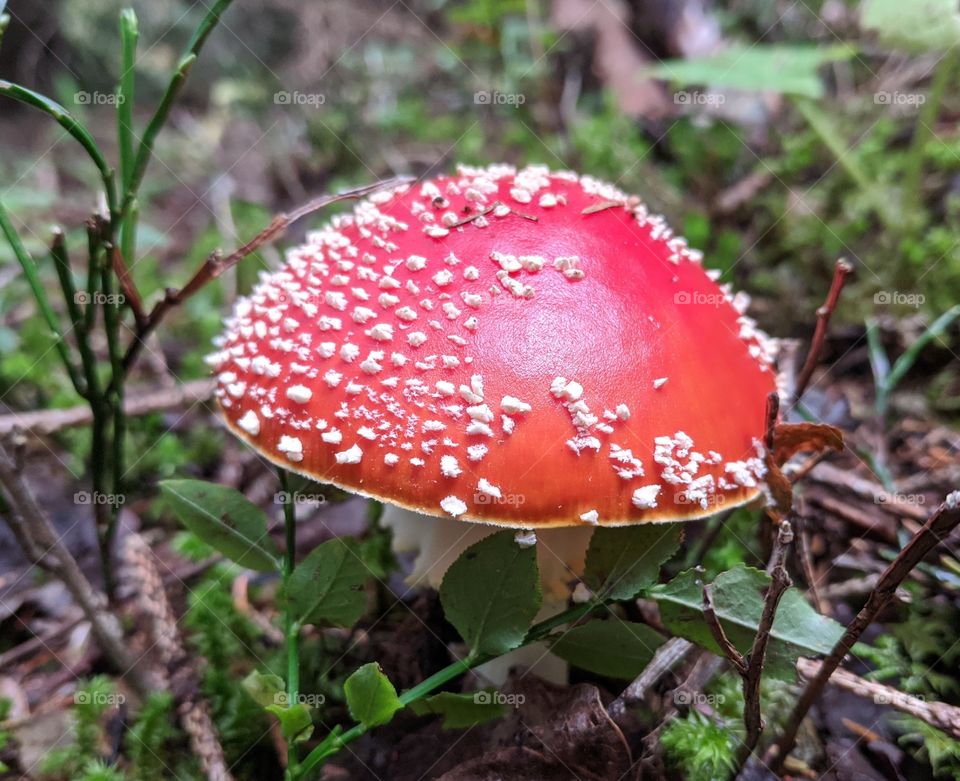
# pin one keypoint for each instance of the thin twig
(716, 629)
(779, 583)
(45, 549)
(940, 715)
(215, 265)
(803, 551)
(48, 421)
(841, 271)
(934, 531)
(668, 655)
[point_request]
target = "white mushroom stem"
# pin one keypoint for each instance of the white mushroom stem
(440, 541)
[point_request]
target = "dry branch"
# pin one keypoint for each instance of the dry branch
(215, 264)
(44, 547)
(941, 715)
(842, 270)
(49, 421)
(934, 531)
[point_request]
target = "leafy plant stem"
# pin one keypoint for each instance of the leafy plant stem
(336, 741)
(291, 626)
(925, 122)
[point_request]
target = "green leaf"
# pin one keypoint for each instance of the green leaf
(617, 649)
(491, 594)
(265, 689)
(789, 69)
(328, 585)
(798, 629)
(916, 27)
(224, 518)
(460, 710)
(623, 561)
(371, 698)
(295, 721)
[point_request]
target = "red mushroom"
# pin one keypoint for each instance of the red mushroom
(514, 347)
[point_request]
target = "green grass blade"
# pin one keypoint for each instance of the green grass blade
(904, 363)
(69, 123)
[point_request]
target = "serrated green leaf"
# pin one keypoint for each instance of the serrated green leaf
(790, 69)
(491, 593)
(798, 629)
(371, 697)
(460, 710)
(295, 721)
(265, 689)
(916, 27)
(327, 586)
(623, 561)
(223, 518)
(617, 649)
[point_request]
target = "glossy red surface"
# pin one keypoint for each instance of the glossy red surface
(643, 310)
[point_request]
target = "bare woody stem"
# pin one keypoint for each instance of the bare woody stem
(750, 667)
(780, 582)
(943, 521)
(215, 265)
(841, 271)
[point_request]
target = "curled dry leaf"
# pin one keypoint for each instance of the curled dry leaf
(792, 438)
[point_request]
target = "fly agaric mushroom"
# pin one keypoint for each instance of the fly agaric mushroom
(518, 348)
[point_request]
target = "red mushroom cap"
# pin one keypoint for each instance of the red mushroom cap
(522, 348)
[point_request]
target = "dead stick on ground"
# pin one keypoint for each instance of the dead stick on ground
(941, 715)
(48, 421)
(842, 270)
(215, 265)
(45, 549)
(934, 531)
(668, 655)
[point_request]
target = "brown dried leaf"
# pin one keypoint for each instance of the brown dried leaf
(781, 489)
(792, 438)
